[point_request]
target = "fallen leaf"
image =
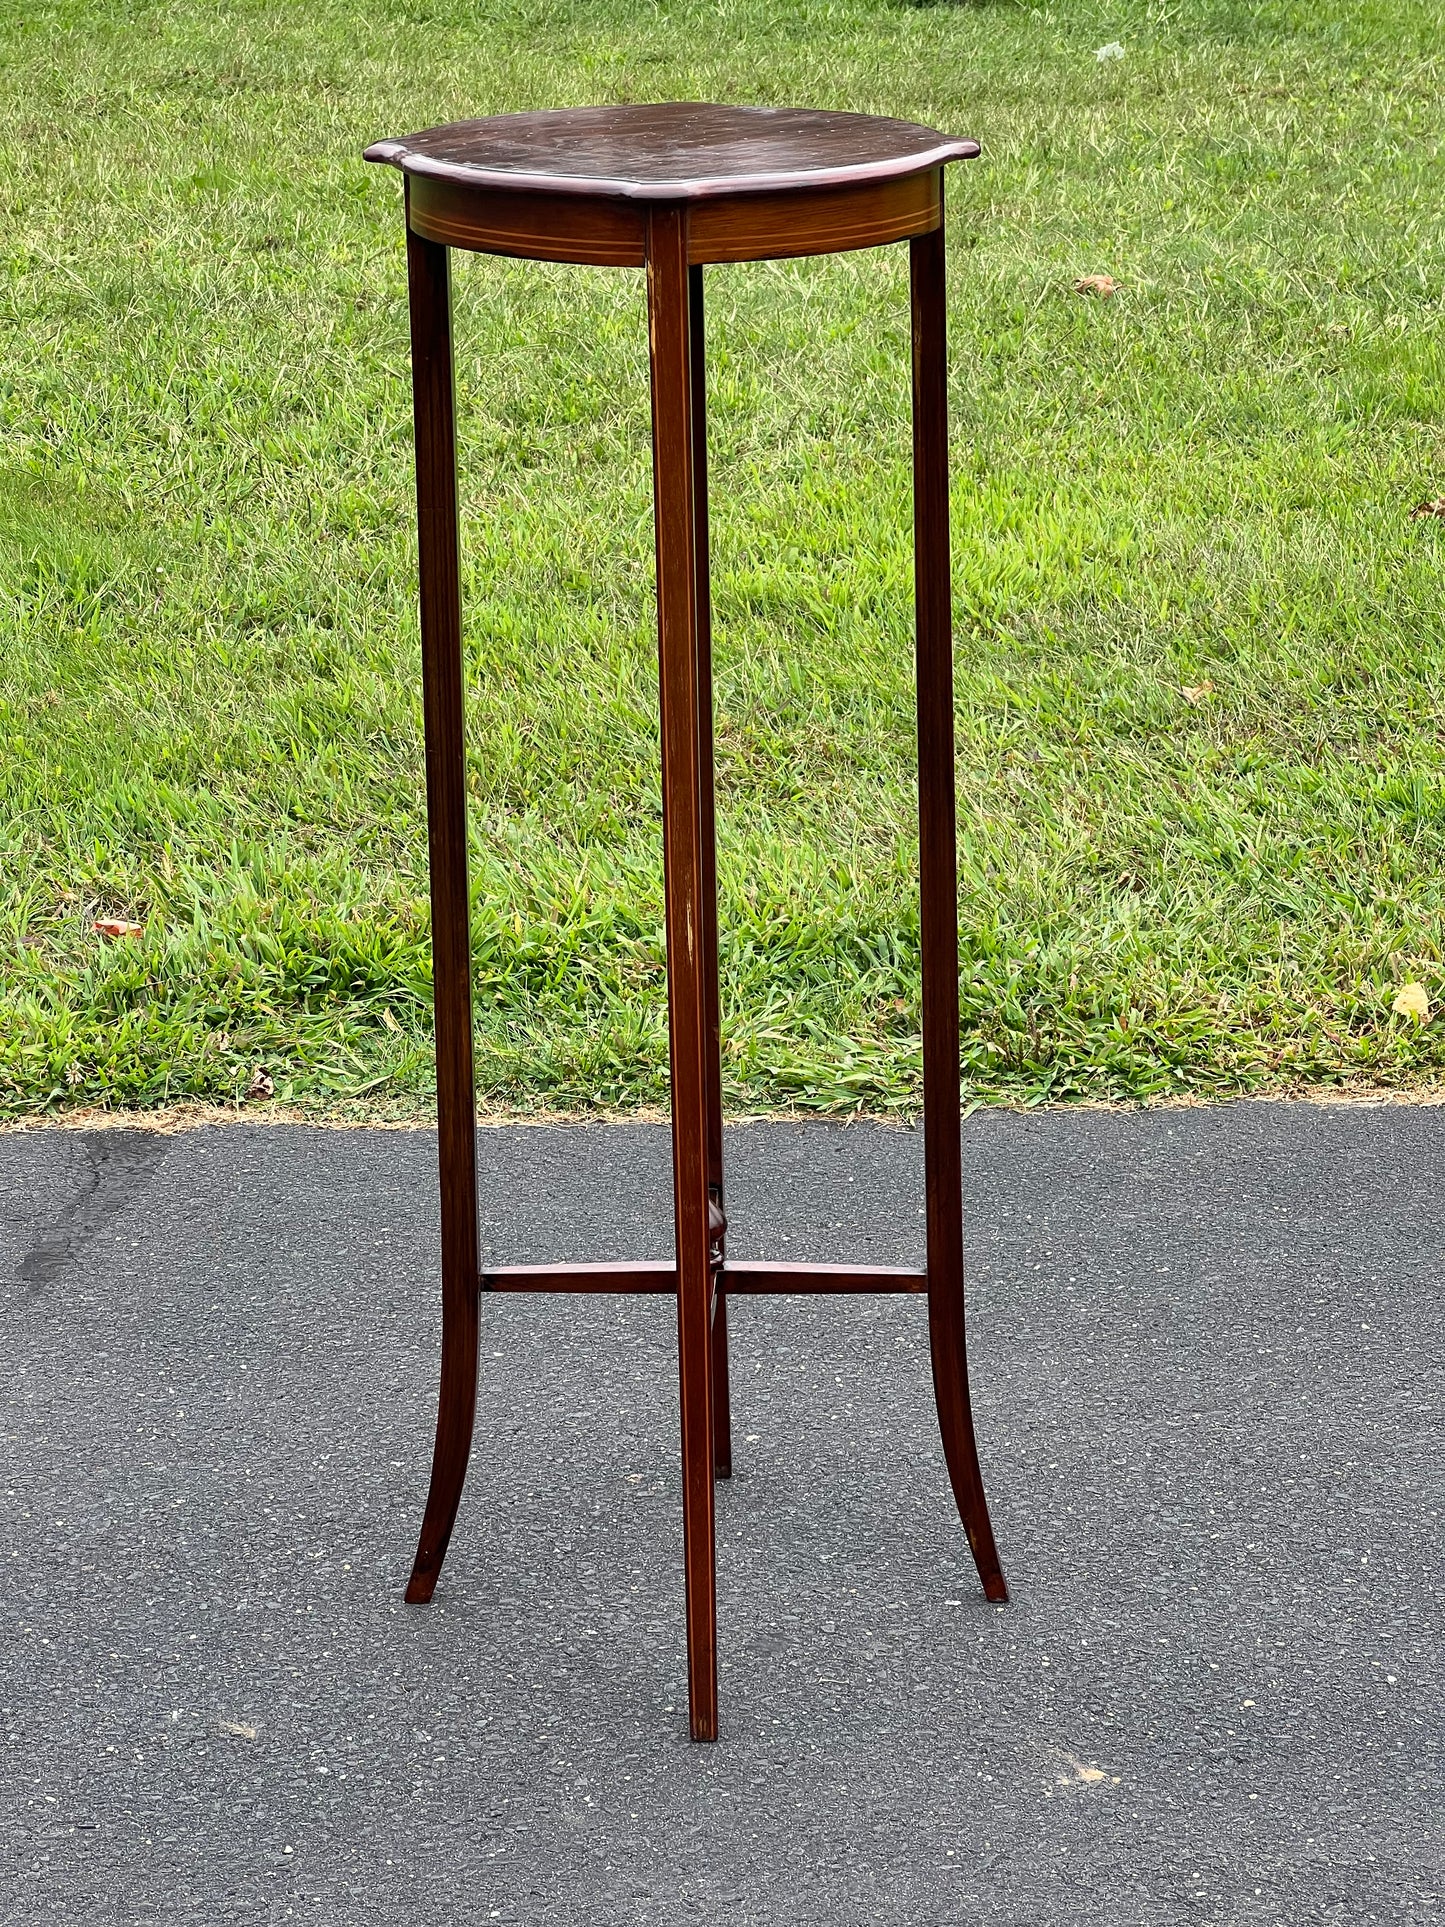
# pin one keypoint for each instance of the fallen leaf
(1197, 692)
(238, 1727)
(117, 927)
(1434, 506)
(260, 1085)
(388, 1019)
(223, 1040)
(1412, 1000)
(1102, 285)
(1079, 1772)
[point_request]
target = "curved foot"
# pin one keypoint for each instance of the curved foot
(960, 1449)
(455, 1415)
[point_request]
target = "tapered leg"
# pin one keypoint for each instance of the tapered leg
(677, 605)
(939, 907)
(446, 802)
(697, 358)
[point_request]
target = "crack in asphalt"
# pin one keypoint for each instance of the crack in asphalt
(118, 1165)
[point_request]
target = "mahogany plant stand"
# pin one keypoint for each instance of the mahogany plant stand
(671, 188)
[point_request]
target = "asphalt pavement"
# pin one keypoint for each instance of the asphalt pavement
(1207, 1367)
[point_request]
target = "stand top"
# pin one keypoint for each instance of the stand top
(672, 151)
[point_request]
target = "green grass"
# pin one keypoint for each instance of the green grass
(209, 717)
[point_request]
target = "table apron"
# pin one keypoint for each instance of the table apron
(613, 233)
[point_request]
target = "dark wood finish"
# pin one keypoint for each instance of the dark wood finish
(760, 183)
(668, 313)
(525, 222)
(541, 226)
(707, 829)
(746, 1277)
(671, 188)
(429, 285)
(670, 151)
(827, 220)
(938, 889)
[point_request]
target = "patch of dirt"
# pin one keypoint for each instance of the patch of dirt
(171, 1118)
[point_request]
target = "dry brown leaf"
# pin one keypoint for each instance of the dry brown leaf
(388, 1019)
(1197, 692)
(1412, 1000)
(114, 927)
(1103, 285)
(260, 1085)
(1080, 1772)
(1433, 507)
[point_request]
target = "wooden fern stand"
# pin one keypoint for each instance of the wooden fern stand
(669, 189)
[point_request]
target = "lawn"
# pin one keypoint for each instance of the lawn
(209, 710)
